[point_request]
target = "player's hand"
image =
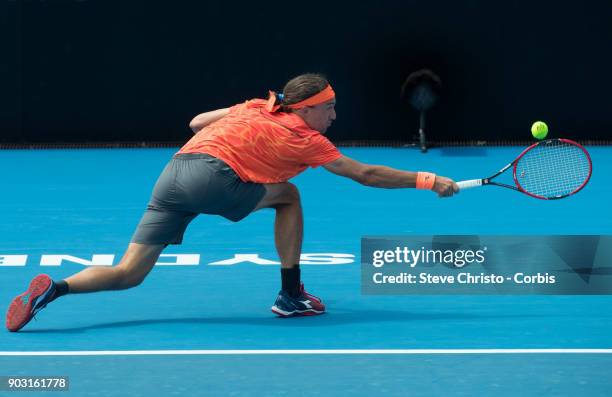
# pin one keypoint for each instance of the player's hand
(445, 187)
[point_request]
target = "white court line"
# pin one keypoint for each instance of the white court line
(305, 352)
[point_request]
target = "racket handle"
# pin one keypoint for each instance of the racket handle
(469, 183)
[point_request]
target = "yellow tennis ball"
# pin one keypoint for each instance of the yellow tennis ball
(539, 130)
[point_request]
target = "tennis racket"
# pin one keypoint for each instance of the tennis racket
(547, 170)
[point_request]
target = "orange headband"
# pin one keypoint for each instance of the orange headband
(323, 96)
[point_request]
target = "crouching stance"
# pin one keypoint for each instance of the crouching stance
(239, 161)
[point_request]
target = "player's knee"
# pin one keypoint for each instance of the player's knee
(134, 280)
(127, 278)
(280, 195)
(292, 194)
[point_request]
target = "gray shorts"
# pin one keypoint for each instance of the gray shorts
(193, 184)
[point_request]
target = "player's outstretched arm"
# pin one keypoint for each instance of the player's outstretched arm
(386, 177)
(203, 119)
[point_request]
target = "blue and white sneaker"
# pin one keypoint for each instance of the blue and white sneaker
(24, 307)
(302, 305)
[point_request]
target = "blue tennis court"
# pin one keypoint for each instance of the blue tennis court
(201, 324)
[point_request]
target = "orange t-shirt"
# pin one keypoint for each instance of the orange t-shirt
(263, 147)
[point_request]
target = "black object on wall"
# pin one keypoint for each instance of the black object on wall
(100, 71)
(422, 88)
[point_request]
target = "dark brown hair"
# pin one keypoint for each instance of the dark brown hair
(301, 87)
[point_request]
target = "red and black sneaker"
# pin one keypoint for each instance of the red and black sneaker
(301, 305)
(24, 307)
(310, 296)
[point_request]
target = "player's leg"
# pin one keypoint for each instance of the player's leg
(288, 233)
(137, 262)
(159, 226)
(288, 223)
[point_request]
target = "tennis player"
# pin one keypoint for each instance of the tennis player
(239, 161)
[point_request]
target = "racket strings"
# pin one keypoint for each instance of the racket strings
(553, 169)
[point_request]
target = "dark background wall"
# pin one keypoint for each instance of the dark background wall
(77, 71)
